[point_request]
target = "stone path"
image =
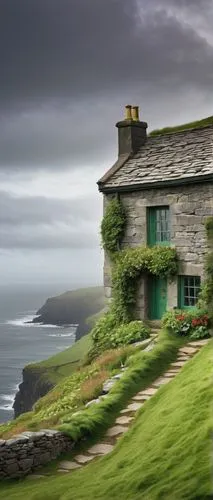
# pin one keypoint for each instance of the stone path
(127, 415)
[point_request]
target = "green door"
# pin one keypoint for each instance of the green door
(157, 297)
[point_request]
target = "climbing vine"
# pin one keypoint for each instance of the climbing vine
(206, 295)
(130, 264)
(113, 226)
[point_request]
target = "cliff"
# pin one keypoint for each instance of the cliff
(33, 387)
(73, 307)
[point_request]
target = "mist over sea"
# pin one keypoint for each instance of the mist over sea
(21, 343)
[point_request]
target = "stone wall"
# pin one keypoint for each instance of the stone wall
(189, 206)
(29, 451)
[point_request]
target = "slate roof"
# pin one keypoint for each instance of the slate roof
(176, 158)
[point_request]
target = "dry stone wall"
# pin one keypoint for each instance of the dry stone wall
(29, 451)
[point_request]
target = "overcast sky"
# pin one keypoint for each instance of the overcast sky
(68, 67)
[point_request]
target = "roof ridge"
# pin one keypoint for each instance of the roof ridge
(176, 130)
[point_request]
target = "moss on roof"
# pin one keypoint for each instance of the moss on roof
(205, 122)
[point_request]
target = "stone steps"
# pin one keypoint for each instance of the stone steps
(126, 416)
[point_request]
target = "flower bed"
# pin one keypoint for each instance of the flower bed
(194, 323)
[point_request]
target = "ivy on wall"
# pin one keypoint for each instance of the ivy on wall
(130, 264)
(206, 295)
(113, 226)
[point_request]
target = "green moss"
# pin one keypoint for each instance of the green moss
(171, 130)
(166, 454)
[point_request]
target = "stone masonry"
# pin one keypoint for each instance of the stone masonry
(27, 452)
(189, 205)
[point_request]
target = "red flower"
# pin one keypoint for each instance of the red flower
(194, 322)
(200, 321)
(181, 317)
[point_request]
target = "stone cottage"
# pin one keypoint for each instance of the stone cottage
(165, 181)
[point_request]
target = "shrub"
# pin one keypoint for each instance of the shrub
(101, 334)
(194, 323)
(129, 333)
(107, 335)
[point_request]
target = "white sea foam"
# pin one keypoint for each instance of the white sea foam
(26, 321)
(72, 334)
(9, 400)
(7, 397)
(6, 408)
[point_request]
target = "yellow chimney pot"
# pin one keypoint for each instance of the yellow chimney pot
(135, 113)
(128, 108)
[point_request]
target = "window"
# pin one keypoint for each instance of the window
(158, 225)
(189, 288)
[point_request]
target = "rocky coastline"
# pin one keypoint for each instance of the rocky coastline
(74, 307)
(33, 387)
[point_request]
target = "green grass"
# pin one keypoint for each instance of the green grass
(205, 122)
(63, 364)
(164, 456)
(70, 394)
(143, 367)
(54, 369)
(58, 407)
(67, 361)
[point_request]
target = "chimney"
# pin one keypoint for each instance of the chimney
(131, 132)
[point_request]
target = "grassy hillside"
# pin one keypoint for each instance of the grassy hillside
(70, 395)
(178, 128)
(65, 362)
(165, 455)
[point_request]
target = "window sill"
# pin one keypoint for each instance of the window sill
(160, 244)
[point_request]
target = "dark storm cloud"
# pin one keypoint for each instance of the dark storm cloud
(47, 223)
(51, 49)
(53, 138)
(63, 60)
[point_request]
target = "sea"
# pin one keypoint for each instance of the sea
(22, 343)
